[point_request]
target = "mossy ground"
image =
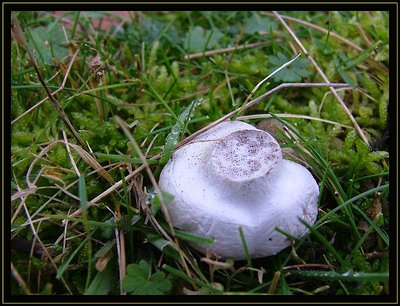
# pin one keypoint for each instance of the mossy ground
(138, 67)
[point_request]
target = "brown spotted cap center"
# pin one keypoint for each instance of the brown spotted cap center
(246, 155)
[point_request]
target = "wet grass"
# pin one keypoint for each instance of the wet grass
(88, 214)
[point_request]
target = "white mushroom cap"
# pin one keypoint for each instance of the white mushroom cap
(234, 175)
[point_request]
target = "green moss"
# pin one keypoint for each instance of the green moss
(249, 64)
(166, 73)
(371, 86)
(100, 135)
(357, 158)
(361, 264)
(21, 138)
(282, 105)
(59, 156)
(332, 110)
(383, 108)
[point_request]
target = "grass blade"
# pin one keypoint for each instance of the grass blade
(246, 250)
(177, 130)
(348, 276)
(64, 266)
(189, 278)
(160, 99)
(84, 208)
(188, 236)
(193, 238)
(325, 243)
(103, 281)
(83, 195)
(76, 19)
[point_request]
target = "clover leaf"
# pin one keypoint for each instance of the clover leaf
(198, 39)
(258, 23)
(140, 281)
(48, 43)
(292, 73)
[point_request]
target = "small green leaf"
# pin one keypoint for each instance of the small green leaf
(198, 39)
(258, 23)
(163, 245)
(156, 202)
(177, 130)
(140, 281)
(340, 59)
(102, 282)
(135, 219)
(48, 43)
(345, 76)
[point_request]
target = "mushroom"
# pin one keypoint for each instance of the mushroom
(234, 175)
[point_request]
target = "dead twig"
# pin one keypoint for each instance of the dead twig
(262, 116)
(265, 79)
(226, 50)
(274, 282)
(70, 155)
(323, 76)
(376, 254)
(364, 35)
